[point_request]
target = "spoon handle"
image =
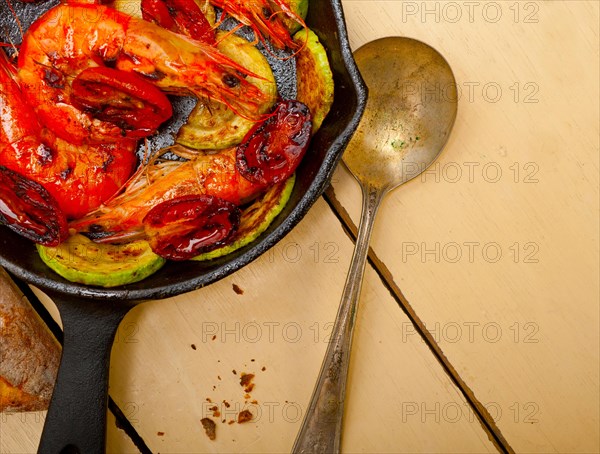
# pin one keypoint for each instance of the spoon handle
(322, 426)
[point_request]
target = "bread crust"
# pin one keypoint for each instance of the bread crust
(29, 353)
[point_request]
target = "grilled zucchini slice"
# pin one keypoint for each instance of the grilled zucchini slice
(79, 259)
(314, 76)
(213, 126)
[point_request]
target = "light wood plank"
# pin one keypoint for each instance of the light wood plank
(20, 434)
(521, 329)
(281, 321)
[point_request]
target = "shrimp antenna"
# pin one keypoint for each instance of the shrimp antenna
(16, 18)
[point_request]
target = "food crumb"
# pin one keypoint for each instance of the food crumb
(209, 427)
(214, 337)
(224, 421)
(252, 360)
(193, 346)
(227, 404)
(160, 434)
(255, 402)
(244, 416)
(208, 400)
(231, 422)
(246, 382)
(234, 372)
(264, 368)
(219, 377)
(237, 289)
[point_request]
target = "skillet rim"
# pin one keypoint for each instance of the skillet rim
(226, 266)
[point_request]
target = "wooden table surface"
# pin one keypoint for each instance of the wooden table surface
(478, 329)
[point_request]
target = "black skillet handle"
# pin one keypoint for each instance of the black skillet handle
(76, 419)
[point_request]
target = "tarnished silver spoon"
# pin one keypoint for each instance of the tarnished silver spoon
(409, 115)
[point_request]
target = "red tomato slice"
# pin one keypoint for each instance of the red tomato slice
(122, 98)
(272, 149)
(181, 228)
(27, 208)
(180, 16)
(156, 11)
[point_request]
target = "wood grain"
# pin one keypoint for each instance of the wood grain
(496, 248)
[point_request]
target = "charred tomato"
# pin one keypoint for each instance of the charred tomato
(180, 16)
(272, 149)
(27, 208)
(184, 227)
(123, 98)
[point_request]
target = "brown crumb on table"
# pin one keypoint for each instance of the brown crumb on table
(252, 360)
(224, 421)
(209, 427)
(237, 289)
(214, 408)
(219, 377)
(208, 400)
(227, 404)
(247, 396)
(234, 372)
(160, 434)
(193, 346)
(246, 382)
(231, 422)
(264, 368)
(214, 337)
(244, 416)
(255, 402)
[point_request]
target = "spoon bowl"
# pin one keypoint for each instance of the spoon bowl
(410, 112)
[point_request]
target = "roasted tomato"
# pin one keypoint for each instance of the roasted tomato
(28, 209)
(122, 98)
(181, 228)
(272, 149)
(180, 16)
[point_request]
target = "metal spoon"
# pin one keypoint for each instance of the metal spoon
(409, 115)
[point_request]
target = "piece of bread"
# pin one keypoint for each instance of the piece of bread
(29, 353)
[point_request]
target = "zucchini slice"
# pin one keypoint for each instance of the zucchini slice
(256, 218)
(81, 260)
(213, 126)
(314, 76)
(297, 7)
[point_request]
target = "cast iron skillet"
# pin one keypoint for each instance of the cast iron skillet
(76, 420)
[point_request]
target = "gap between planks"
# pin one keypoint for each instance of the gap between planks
(484, 417)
